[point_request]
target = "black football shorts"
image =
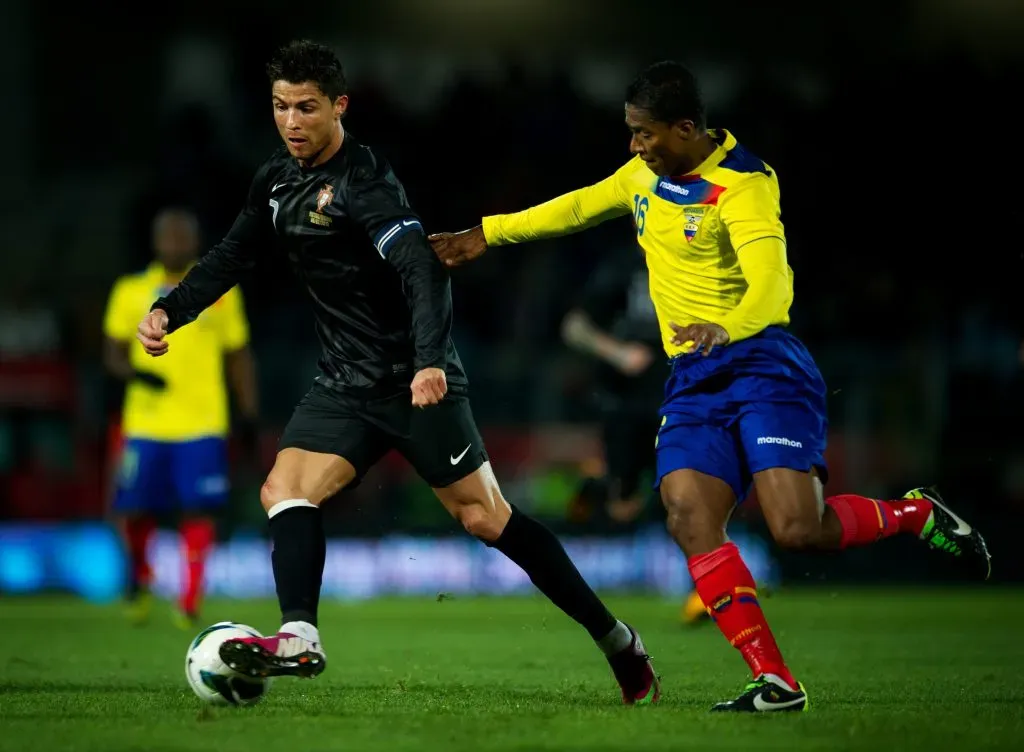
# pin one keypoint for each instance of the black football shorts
(441, 442)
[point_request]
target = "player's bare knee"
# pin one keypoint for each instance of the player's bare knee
(484, 520)
(283, 484)
(277, 488)
(689, 523)
(797, 533)
(477, 503)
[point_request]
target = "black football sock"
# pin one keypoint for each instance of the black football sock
(300, 549)
(539, 553)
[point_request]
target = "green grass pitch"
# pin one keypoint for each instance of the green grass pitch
(893, 669)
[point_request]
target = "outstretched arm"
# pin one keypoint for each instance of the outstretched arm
(564, 215)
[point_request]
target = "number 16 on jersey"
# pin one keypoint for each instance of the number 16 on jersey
(640, 212)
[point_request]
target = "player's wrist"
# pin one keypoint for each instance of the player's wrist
(488, 229)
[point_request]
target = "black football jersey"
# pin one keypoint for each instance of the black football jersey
(381, 298)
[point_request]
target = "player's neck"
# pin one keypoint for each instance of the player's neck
(705, 148)
(332, 148)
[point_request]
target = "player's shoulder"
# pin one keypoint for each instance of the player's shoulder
(740, 166)
(365, 162)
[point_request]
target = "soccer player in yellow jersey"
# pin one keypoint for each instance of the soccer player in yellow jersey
(175, 418)
(744, 402)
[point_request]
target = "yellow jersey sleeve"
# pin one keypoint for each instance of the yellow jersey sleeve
(234, 324)
(119, 319)
(566, 214)
(751, 214)
(769, 289)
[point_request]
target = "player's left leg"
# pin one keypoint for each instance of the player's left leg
(447, 451)
(199, 470)
(785, 444)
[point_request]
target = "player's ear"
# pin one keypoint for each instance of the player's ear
(340, 106)
(685, 129)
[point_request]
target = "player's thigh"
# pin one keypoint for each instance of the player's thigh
(199, 474)
(700, 477)
(441, 441)
(143, 478)
(328, 444)
(792, 503)
(784, 443)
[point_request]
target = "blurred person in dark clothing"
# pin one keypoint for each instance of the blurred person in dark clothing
(614, 321)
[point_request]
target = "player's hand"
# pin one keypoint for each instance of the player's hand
(456, 248)
(704, 337)
(152, 330)
(633, 358)
(429, 386)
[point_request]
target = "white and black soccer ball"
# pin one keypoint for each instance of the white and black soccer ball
(210, 678)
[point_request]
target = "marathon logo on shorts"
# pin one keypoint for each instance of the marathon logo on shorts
(780, 441)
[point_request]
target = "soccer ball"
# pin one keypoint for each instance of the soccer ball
(212, 680)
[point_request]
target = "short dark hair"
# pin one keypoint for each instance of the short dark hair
(669, 92)
(302, 60)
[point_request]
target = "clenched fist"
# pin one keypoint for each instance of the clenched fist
(429, 387)
(151, 333)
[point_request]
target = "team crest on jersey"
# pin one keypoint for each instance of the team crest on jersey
(694, 215)
(323, 199)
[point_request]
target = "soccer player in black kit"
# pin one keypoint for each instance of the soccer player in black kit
(389, 374)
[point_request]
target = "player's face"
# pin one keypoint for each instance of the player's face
(176, 240)
(306, 118)
(664, 147)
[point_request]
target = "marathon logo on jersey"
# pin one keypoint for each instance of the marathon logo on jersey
(323, 199)
(780, 440)
(666, 185)
(694, 215)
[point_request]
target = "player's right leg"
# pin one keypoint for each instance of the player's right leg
(324, 448)
(701, 479)
(141, 491)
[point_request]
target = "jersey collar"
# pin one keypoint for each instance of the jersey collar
(725, 142)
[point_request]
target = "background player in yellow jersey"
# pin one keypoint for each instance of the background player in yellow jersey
(175, 414)
(745, 402)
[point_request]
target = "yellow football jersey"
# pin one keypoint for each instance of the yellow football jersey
(195, 402)
(691, 229)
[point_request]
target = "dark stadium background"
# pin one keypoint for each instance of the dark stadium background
(884, 119)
